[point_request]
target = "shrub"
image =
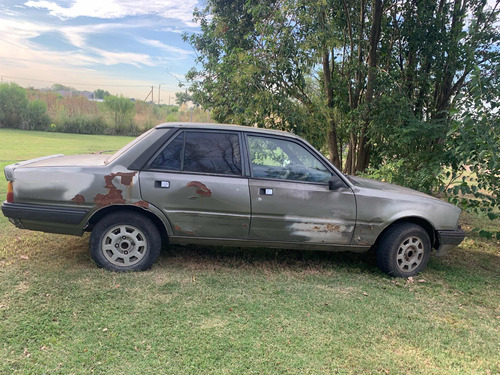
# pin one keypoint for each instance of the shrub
(13, 105)
(84, 125)
(36, 117)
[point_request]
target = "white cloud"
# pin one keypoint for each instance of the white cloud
(17, 45)
(178, 52)
(109, 9)
(77, 35)
(113, 58)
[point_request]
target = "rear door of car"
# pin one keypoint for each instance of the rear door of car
(197, 180)
(290, 196)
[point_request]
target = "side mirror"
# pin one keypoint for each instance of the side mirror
(335, 183)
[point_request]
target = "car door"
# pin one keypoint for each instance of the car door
(290, 196)
(197, 181)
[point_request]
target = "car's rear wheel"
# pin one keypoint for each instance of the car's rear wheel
(125, 241)
(404, 250)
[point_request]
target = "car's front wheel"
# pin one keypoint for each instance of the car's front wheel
(404, 250)
(125, 241)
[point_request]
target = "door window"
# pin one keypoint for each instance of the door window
(285, 160)
(204, 152)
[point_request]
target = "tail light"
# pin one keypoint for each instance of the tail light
(10, 192)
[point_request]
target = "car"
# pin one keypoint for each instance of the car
(213, 184)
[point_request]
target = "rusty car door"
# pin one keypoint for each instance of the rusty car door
(197, 181)
(290, 196)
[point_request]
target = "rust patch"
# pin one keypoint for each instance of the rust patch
(332, 228)
(324, 228)
(201, 188)
(179, 229)
(114, 195)
(79, 199)
(142, 204)
(126, 177)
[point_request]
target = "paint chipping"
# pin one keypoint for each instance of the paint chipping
(142, 204)
(179, 229)
(79, 199)
(201, 189)
(114, 195)
(321, 228)
(126, 177)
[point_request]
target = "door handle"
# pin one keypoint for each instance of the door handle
(162, 184)
(266, 191)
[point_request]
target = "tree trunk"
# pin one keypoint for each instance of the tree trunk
(364, 146)
(332, 131)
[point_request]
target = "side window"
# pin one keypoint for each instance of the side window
(285, 160)
(212, 153)
(170, 157)
(205, 152)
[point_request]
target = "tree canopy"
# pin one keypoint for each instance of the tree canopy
(367, 79)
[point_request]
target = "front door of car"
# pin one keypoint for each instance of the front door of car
(197, 181)
(290, 196)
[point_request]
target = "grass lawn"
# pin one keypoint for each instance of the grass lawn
(204, 310)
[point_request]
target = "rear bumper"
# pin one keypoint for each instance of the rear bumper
(45, 214)
(449, 239)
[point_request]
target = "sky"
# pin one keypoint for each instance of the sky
(122, 46)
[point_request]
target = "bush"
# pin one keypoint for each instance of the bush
(13, 105)
(36, 117)
(84, 125)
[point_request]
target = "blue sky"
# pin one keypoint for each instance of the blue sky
(123, 46)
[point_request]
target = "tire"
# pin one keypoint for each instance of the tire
(125, 241)
(404, 250)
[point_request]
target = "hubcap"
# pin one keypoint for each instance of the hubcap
(124, 245)
(410, 254)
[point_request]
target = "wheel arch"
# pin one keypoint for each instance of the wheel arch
(428, 227)
(162, 227)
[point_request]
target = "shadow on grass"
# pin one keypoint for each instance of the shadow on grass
(196, 256)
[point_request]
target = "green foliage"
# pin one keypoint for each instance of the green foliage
(122, 110)
(326, 69)
(252, 71)
(407, 151)
(182, 98)
(36, 117)
(84, 125)
(474, 149)
(101, 94)
(13, 105)
(59, 87)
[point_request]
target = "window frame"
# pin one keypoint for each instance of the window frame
(183, 132)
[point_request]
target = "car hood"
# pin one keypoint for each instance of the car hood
(390, 189)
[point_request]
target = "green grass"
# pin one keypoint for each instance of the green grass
(204, 310)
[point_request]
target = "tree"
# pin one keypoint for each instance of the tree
(369, 79)
(122, 109)
(101, 94)
(182, 98)
(59, 87)
(13, 105)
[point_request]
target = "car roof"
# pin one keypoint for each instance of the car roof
(213, 126)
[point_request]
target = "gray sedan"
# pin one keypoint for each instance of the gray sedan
(185, 183)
